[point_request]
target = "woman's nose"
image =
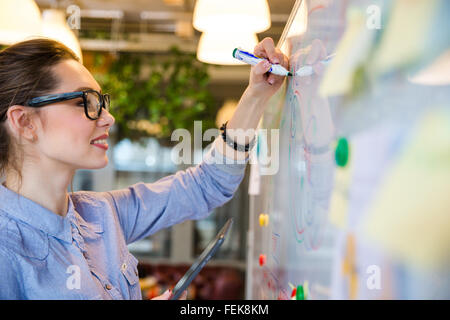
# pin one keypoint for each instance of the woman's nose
(106, 119)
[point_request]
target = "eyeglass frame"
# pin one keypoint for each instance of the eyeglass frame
(54, 98)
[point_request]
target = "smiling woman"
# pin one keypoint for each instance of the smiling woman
(54, 121)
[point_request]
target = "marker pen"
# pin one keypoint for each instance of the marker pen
(249, 58)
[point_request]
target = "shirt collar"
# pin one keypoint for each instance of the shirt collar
(30, 212)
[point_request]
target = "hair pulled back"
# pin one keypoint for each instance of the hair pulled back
(25, 72)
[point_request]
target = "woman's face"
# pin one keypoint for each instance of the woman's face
(66, 134)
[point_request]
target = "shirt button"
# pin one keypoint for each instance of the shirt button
(124, 266)
(108, 286)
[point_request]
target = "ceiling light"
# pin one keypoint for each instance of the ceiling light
(19, 20)
(217, 47)
(54, 26)
(222, 15)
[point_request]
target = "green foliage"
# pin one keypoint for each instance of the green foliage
(172, 94)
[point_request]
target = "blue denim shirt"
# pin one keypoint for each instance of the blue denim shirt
(84, 254)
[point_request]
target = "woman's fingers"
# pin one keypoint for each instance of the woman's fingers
(272, 78)
(262, 67)
(263, 82)
(165, 296)
(263, 49)
(266, 49)
(168, 293)
(183, 295)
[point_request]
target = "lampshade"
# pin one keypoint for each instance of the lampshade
(54, 26)
(244, 15)
(19, 20)
(217, 47)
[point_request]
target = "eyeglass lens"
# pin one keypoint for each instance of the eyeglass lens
(94, 104)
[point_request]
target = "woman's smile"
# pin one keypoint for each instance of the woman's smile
(101, 142)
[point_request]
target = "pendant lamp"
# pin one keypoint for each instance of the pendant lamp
(54, 26)
(217, 47)
(244, 15)
(19, 20)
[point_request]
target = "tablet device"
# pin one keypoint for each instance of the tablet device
(200, 262)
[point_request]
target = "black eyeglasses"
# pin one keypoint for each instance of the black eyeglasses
(94, 102)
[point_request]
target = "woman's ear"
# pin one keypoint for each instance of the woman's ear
(21, 123)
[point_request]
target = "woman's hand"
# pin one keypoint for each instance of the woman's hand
(253, 102)
(264, 84)
(168, 293)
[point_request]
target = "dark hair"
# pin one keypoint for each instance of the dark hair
(25, 72)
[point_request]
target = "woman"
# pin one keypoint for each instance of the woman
(55, 120)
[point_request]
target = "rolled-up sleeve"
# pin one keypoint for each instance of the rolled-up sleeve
(145, 208)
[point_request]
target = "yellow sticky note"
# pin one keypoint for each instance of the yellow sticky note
(338, 213)
(410, 216)
(404, 38)
(263, 219)
(352, 50)
(339, 199)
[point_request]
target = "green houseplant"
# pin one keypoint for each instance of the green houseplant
(151, 98)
